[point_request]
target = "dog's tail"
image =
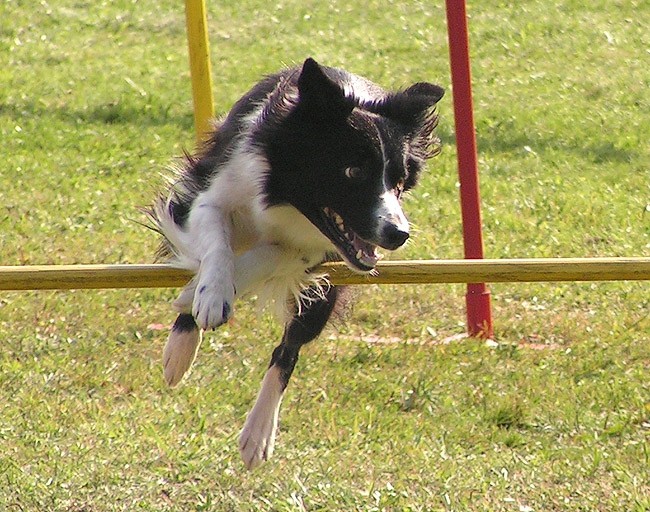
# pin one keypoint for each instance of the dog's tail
(181, 348)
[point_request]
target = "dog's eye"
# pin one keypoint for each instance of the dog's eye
(399, 187)
(355, 173)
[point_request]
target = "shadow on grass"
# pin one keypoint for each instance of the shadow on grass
(149, 112)
(506, 140)
(596, 151)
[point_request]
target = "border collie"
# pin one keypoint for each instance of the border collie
(308, 166)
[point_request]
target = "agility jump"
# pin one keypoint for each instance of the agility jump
(68, 277)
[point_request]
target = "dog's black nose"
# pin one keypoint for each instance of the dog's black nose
(393, 237)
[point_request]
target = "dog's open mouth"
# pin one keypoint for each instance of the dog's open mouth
(357, 253)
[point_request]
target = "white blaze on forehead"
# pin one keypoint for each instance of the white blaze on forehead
(391, 211)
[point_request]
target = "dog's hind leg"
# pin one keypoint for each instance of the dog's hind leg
(184, 338)
(257, 438)
(181, 348)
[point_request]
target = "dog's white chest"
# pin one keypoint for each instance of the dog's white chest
(285, 226)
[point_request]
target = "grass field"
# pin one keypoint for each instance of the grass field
(381, 414)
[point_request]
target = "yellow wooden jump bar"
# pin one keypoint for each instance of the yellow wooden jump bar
(199, 50)
(66, 277)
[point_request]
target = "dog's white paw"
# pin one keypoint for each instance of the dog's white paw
(181, 348)
(257, 438)
(213, 302)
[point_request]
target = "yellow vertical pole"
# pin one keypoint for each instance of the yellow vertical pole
(199, 48)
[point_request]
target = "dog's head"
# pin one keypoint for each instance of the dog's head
(343, 153)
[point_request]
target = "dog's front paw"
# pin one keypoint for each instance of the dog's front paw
(213, 303)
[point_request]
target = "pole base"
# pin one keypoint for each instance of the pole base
(479, 312)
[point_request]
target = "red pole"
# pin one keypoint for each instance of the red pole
(477, 299)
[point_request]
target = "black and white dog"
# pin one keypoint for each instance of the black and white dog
(308, 166)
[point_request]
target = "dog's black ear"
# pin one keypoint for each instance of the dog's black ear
(320, 98)
(433, 92)
(411, 106)
(414, 109)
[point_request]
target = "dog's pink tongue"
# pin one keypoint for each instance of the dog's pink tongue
(366, 253)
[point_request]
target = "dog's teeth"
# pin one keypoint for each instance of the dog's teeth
(359, 254)
(338, 220)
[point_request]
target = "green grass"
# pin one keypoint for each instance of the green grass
(381, 414)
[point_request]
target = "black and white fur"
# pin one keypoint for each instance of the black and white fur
(308, 166)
